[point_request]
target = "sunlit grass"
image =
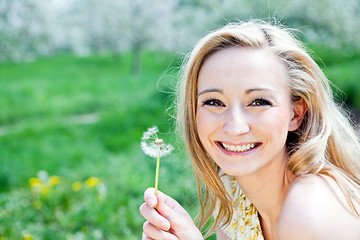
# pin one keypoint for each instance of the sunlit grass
(44, 107)
(82, 118)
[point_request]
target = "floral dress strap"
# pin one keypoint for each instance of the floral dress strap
(245, 224)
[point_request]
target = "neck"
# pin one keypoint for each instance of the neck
(267, 190)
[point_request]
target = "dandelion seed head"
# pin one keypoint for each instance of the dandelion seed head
(150, 133)
(155, 147)
(159, 141)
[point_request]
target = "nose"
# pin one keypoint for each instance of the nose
(236, 122)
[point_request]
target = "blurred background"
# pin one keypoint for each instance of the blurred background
(81, 80)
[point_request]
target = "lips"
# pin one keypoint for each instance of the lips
(240, 148)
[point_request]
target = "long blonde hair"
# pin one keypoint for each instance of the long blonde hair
(325, 143)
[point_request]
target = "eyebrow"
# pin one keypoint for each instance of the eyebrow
(211, 90)
(247, 92)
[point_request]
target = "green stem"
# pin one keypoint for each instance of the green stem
(157, 174)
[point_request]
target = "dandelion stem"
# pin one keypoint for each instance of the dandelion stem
(157, 174)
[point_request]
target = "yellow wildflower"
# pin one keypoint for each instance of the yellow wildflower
(27, 236)
(45, 189)
(92, 182)
(53, 180)
(76, 186)
(34, 182)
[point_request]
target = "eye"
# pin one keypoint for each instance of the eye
(260, 102)
(214, 103)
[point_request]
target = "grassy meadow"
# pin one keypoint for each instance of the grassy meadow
(71, 166)
(77, 119)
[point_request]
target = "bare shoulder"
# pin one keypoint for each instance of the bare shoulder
(220, 235)
(315, 208)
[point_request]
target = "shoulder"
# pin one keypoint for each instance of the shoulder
(221, 235)
(315, 208)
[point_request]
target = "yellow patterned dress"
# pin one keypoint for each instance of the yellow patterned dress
(245, 224)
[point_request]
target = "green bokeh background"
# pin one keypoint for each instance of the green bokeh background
(83, 116)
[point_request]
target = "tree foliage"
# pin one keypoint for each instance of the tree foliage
(30, 28)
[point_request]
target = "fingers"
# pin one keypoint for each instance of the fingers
(150, 198)
(144, 237)
(173, 211)
(182, 224)
(166, 218)
(152, 232)
(170, 203)
(156, 227)
(154, 217)
(167, 210)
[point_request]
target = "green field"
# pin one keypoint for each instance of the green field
(78, 118)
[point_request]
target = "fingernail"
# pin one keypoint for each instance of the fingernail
(165, 226)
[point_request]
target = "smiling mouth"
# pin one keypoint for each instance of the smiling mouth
(238, 148)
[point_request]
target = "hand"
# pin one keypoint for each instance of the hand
(168, 221)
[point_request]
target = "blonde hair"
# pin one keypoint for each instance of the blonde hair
(325, 143)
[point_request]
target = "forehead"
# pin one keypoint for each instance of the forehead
(246, 67)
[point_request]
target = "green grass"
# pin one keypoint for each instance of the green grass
(46, 107)
(41, 102)
(83, 117)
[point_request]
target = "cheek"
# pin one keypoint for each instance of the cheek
(206, 123)
(201, 123)
(275, 122)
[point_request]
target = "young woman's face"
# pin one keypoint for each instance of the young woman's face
(244, 111)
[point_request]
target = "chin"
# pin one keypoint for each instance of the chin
(236, 171)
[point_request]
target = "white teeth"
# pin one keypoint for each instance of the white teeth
(239, 148)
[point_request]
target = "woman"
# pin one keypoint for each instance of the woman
(274, 156)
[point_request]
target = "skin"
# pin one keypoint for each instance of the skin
(315, 208)
(244, 113)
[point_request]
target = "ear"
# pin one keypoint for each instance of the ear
(299, 109)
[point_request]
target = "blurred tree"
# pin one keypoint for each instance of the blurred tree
(21, 31)
(147, 24)
(37, 27)
(87, 26)
(329, 21)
